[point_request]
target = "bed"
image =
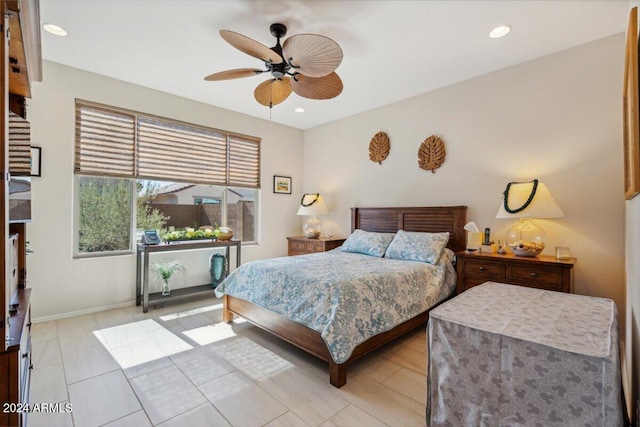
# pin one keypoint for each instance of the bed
(312, 339)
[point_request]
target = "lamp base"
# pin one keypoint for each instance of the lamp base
(311, 228)
(526, 238)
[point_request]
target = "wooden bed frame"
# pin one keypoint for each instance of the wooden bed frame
(424, 219)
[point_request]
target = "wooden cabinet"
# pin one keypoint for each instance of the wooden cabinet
(542, 272)
(300, 245)
(20, 65)
(15, 364)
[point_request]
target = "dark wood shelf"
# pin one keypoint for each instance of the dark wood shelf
(17, 320)
(181, 292)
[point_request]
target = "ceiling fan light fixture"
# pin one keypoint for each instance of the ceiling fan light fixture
(54, 29)
(499, 31)
(299, 110)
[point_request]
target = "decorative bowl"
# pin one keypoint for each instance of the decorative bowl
(225, 236)
(526, 248)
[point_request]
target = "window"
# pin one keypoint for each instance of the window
(181, 205)
(104, 209)
(140, 171)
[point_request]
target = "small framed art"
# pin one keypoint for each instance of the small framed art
(36, 161)
(282, 184)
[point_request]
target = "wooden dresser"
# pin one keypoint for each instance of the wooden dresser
(300, 245)
(542, 272)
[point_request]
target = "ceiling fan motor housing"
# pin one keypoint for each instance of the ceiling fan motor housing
(278, 30)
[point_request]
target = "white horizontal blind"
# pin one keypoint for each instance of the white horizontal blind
(163, 149)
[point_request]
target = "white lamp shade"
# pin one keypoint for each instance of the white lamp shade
(316, 208)
(542, 205)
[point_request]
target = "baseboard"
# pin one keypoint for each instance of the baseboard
(81, 312)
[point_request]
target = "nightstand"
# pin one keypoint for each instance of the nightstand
(300, 245)
(542, 272)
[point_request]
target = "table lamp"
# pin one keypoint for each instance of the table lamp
(527, 200)
(312, 205)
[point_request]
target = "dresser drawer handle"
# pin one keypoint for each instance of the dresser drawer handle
(533, 275)
(482, 268)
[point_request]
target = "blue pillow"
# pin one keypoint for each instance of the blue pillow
(367, 242)
(415, 246)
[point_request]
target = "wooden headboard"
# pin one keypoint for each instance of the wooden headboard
(425, 219)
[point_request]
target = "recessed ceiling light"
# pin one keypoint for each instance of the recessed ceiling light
(299, 110)
(499, 31)
(56, 30)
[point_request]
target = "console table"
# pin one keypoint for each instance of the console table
(142, 265)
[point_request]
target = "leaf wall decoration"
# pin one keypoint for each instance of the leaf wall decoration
(379, 147)
(431, 154)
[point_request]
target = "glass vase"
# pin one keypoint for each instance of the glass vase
(526, 238)
(166, 289)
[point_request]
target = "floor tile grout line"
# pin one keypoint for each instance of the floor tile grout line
(200, 391)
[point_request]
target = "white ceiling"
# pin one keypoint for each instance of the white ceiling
(393, 50)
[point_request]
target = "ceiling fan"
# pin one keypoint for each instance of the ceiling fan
(304, 64)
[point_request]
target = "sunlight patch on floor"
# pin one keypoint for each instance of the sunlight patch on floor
(140, 342)
(211, 333)
(191, 312)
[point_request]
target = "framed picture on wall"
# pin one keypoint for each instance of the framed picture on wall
(630, 111)
(36, 161)
(282, 184)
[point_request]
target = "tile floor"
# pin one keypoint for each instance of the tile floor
(179, 365)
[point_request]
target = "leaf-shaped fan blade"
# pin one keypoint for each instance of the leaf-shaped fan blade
(326, 87)
(233, 74)
(431, 154)
(250, 47)
(273, 92)
(311, 54)
(379, 147)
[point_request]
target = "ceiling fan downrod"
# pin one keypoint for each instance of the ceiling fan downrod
(278, 71)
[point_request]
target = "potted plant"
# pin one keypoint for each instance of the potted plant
(166, 270)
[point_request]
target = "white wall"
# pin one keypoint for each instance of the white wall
(557, 118)
(633, 295)
(63, 285)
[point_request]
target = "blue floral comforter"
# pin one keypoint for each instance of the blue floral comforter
(346, 297)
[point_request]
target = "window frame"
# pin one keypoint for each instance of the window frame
(241, 150)
(132, 215)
